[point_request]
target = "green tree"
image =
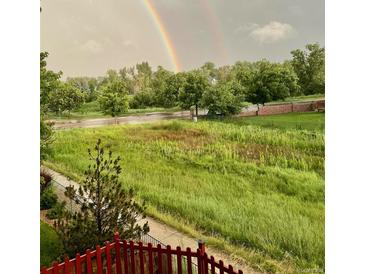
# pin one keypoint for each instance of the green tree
(309, 65)
(270, 82)
(113, 98)
(88, 85)
(46, 138)
(144, 76)
(105, 207)
(49, 81)
(210, 70)
(143, 99)
(174, 84)
(66, 98)
(191, 93)
(223, 98)
(159, 86)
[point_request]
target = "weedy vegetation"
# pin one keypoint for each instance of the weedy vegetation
(254, 185)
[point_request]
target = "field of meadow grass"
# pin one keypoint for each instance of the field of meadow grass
(253, 186)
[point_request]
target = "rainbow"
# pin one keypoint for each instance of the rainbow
(214, 26)
(164, 35)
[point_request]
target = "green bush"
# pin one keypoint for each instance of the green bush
(48, 199)
(142, 99)
(56, 211)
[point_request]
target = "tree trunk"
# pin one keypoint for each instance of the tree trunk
(196, 110)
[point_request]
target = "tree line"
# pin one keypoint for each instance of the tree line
(222, 90)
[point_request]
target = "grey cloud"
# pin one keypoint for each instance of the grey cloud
(272, 32)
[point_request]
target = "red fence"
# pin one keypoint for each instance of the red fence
(127, 258)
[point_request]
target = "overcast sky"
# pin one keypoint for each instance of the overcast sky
(88, 37)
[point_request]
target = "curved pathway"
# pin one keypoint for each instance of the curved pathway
(168, 235)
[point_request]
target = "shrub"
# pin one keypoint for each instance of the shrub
(46, 179)
(142, 99)
(56, 211)
(48, 198)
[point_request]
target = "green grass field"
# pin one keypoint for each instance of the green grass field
(91, 110)
(252, 186)
(51, 245)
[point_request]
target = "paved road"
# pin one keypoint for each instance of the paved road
(138, 119)
(135, 119)
(170, 236)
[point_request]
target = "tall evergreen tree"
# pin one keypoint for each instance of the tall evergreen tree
(105, 207)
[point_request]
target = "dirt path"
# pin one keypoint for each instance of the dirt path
(168, 235)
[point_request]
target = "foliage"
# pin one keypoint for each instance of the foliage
(50, 245)
(48, 199)
(88, 85)
(309, 65)
(256, 183)
(143, 77)
(169, 97)
(66, 97)
(191, 93)
(49, 81)
(46, 138)
(46, 179)
(142, 99)
(222, 98)
(57, 211)
(210, 70)
(113, 98)
(270, 82)
(159, 86)
(106, 206)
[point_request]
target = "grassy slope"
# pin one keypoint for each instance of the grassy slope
(91, 110)
(51, 246)
(302, 98)
(259, 188)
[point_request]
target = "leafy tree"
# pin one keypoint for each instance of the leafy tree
(225, 73)
(49, 81)
(127, 75)
(113, 98)
(143, 99)
(223, 98)
(88, 85)
(191, 93)
(210, 70)
(46, 138)
(144, 76)
(174, 84)
(105, 207)
(269, 82)
(160, 86)
(66, 98)
(309, 65)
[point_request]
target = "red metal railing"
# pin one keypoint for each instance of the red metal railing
(127, 258)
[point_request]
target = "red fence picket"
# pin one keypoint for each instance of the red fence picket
(139, 259)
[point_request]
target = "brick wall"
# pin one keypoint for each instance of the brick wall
(303, 107)
(275, 109)
(284, 108)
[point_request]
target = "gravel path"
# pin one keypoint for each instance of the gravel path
(168, 235)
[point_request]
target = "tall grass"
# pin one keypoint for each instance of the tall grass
(256, 187)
